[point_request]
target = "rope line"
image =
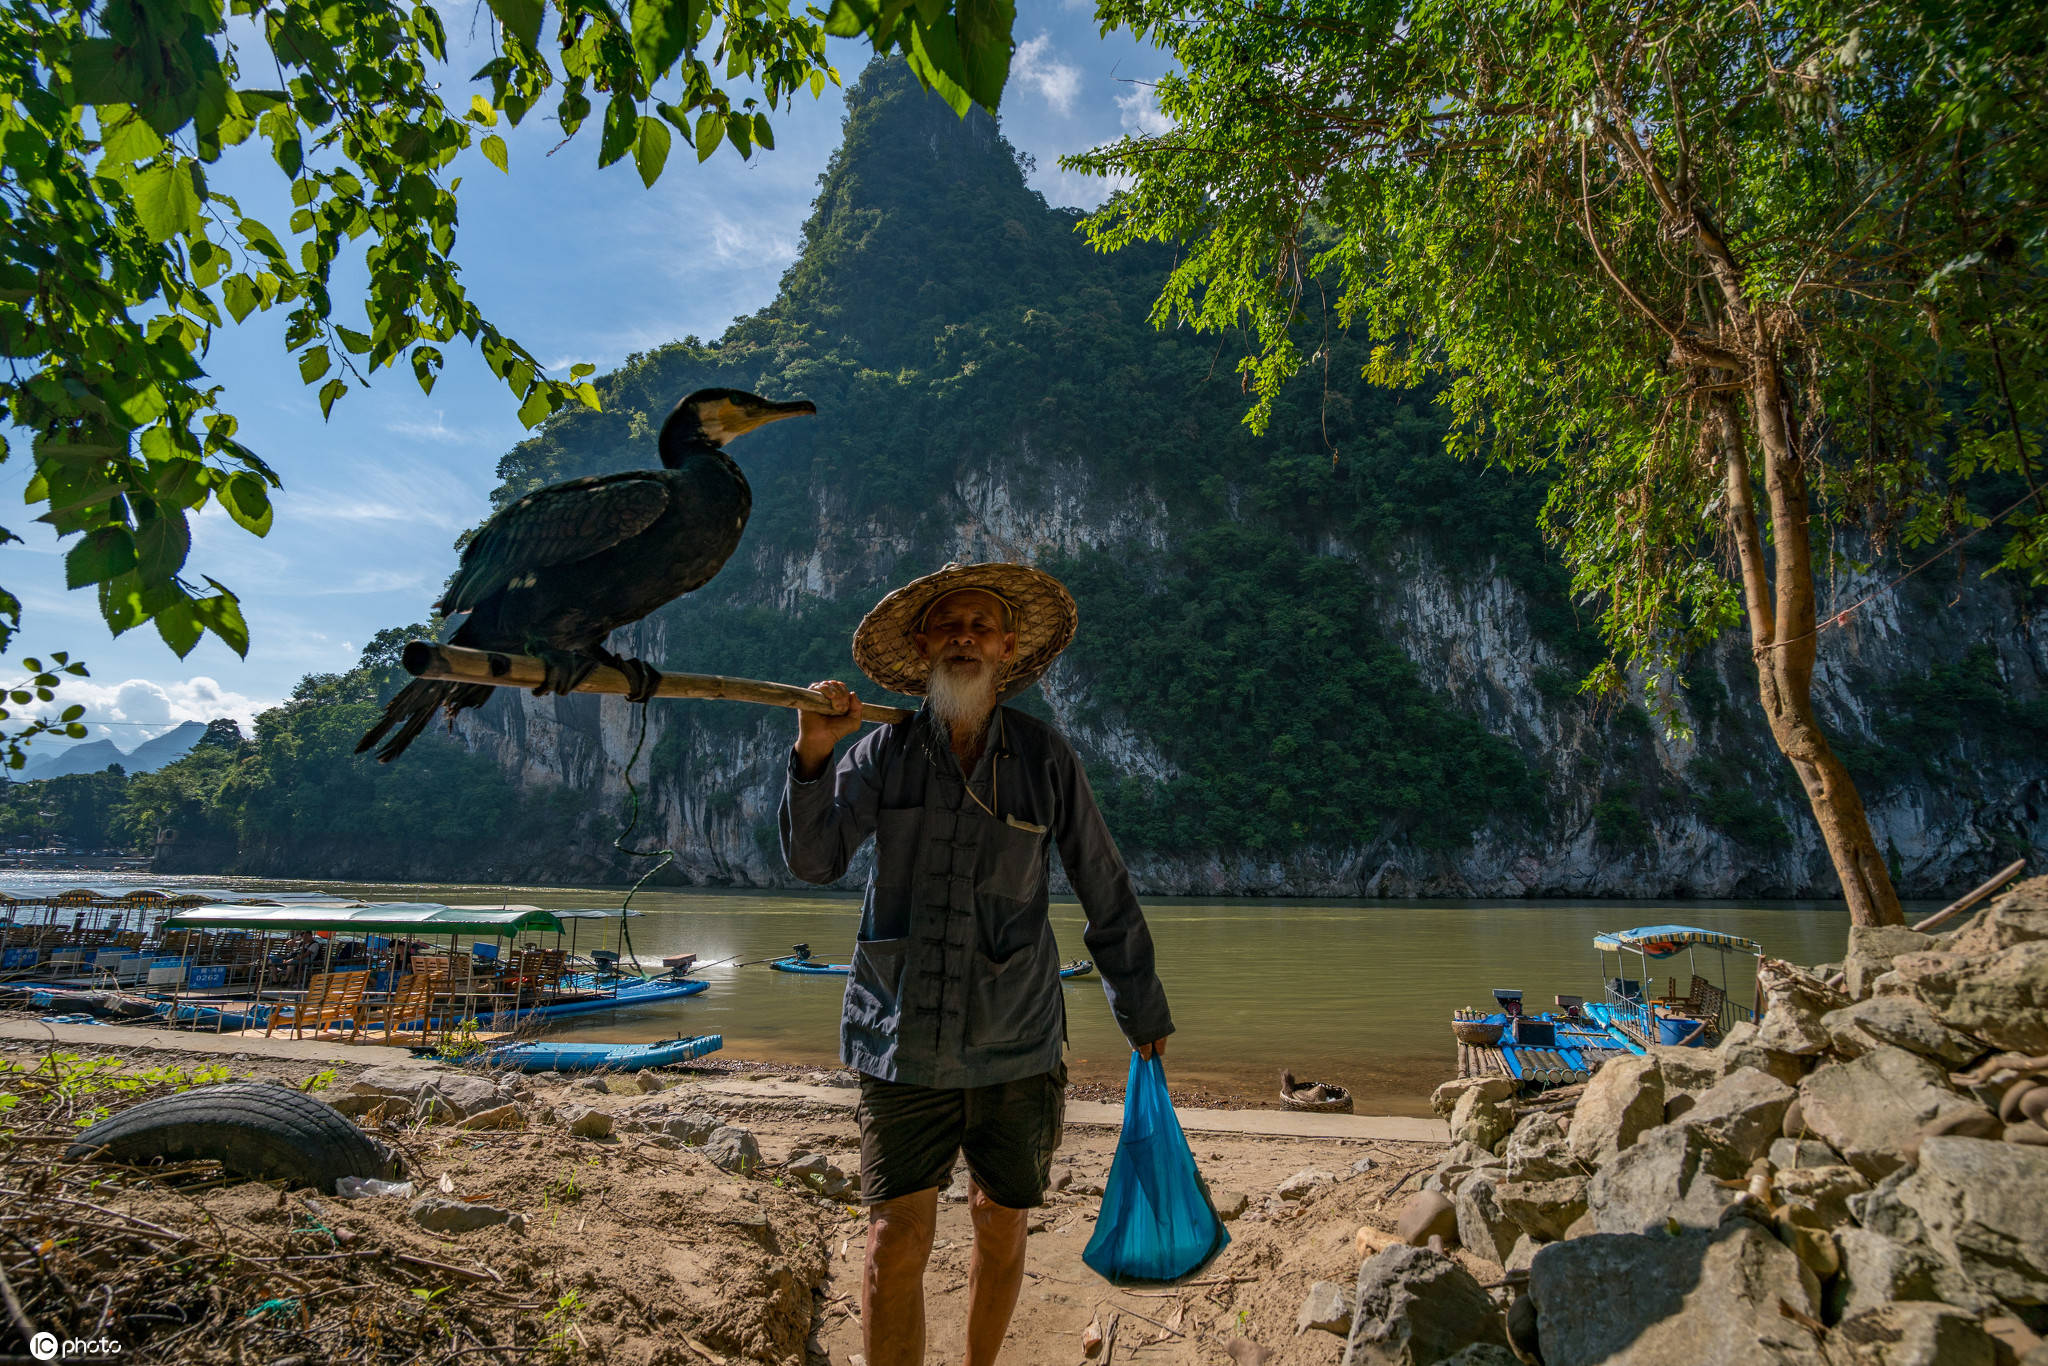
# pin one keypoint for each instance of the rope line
(667, 856)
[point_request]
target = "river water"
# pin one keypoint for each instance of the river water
(1358, 993)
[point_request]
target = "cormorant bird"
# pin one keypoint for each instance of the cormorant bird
(555, 573)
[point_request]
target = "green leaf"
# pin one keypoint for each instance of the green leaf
(580, 369)
(521, 19)
(102, 74)
(536, 408)
(494, 152)
(240, 293)
(764, 137)
(161, 546)
(99, 556)
(126, 137)
(222, 614)
(650, 150)
(166, 202)
(850, 18)
(314, 363)
(662, 31)
(710, 128)
(178, 624)
(248, 502)
(620, 125)
(329, 392)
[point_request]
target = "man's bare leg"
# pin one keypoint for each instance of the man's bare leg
(994, 1275)
(892, 1287)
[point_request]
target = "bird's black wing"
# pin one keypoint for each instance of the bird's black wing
(559, 524)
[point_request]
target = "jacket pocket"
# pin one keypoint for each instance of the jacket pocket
(874, 992)
(1015, 999)
(1012, 862)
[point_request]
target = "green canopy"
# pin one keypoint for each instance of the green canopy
(389, 917)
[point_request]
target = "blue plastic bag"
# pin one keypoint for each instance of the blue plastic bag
(1156, 1222)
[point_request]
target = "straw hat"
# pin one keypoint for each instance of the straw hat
(1046, 618)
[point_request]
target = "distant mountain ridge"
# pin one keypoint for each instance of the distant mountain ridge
(94, 755)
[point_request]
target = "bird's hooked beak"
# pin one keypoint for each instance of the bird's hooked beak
(724, 418)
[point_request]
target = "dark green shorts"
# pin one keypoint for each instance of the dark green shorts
(909, 1134)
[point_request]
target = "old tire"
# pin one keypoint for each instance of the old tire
(252, 1128)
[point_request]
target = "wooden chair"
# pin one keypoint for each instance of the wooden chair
(331, 997)
(410, 1009)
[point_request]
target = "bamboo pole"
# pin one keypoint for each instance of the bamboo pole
(454, 664)
(1997, 880)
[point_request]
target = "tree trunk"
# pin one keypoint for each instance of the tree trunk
(1780, 600)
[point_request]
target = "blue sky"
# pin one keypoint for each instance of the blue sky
(580, 264)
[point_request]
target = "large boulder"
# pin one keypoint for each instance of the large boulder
(1901, 1022)
(1871, 1108)
(1984, 1206)
(2020, 916)
(1706, 1295)
(1686, 1071)
(1739, 1048)
(1483, 1226)
(1825, 1191)
(1623, 1098)
(1877, 1271)
(733, 1148)
(1871, 951)
(1545, 1208)
(2002, 999)
(1428, 1214)
(1415, 1307)
(1445, 1098)
(1744, 1110)
(1480, 1121)
(1912, 1333)
(457, 1095)
(1794, 1002)
(1539, 1151)
(1454, 1162)
(1673, 1173)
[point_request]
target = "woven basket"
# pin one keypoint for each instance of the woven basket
(1477, 1032)
(1046, 619)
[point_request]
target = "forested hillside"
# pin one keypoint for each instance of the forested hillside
(1328, 660)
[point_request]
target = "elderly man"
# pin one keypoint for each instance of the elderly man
(954, 1016)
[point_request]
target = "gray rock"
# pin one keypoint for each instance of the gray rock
(438, 1214)
(1871, 1108)
(1826, 1191)
(648, 1081)
(819, 1173)
(2018, 916)
(1743, 1110)
(1444, 1100)
(1877, 1270)
(403, 1082)
(692, 1126)
(1454, 1163)
(597, 1084)
(1984, 1207)
(1415, 1307)
(1871, 951)
(1881, 1210)
(1912, 1334)
(1670, 1174)
(1788, 1153)
(1364, 1165)
(1326, 1307)
(1539, 1151)
(733, 1148)
(1687, 1071)
(1483, 1226)
(585, 1121)
(1297, 1186)
(1794, 1002)
(1544, 1208)
(1708, 1295)
(1739, 1048)
(1902, 1022)
(506, 1116)
(1523, 1253)
(2002, 999)
(959, 1188)
(1428, 1214)
(1623, 1098)
(1480, 1121)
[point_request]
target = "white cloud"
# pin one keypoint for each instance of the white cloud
(1141, 113)
(141, 708)
(750, 242)
(437, 430)
(1036, 67)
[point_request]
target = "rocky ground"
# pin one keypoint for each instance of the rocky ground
(1860, 1179)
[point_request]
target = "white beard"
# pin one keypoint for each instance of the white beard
(962, 697)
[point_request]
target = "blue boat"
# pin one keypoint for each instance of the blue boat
(1080, 967)
(811, 966)
(546, 1056)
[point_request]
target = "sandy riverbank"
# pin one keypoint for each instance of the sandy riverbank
(638, 1250)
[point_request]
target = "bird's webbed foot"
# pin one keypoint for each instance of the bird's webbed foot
(642, 678)
(565, 669)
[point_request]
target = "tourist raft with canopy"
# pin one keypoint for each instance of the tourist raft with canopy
(1567, 1044)
(390, 971)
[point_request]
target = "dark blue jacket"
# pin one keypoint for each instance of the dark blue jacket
(956, 974)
